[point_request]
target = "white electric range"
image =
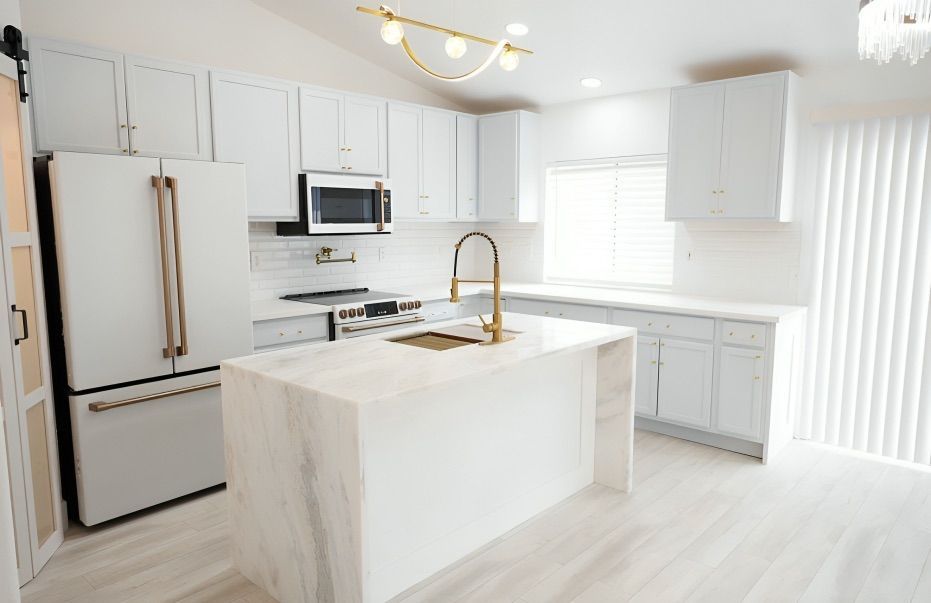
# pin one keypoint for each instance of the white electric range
(358, 312)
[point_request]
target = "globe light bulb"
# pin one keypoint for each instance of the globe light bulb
(509, 60)
(392, 32)
(455, 47)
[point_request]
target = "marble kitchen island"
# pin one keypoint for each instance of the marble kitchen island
(360, 467)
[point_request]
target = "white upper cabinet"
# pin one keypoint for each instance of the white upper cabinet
(169, 109)
(466, 167)
(732, 149)
(95, 101)
(695, 119)
(79, 98)
(342, 133)
(404, 125)
(509, 166)
(438, 165)
(321, 130)
(365, 135)
(255, 122)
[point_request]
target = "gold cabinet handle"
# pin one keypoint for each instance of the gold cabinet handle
(757, 357)
(731, 334)
(122, 126)
(102, 406)
(159, 184)
(652, 362)
(649, 324)
(124, 150)
(756, 377)
(179, 271)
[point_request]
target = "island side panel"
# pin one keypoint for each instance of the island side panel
(449, 469)
(614, 427)
(294, 483)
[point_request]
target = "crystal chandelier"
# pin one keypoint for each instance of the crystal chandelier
(392, 32)
(895, 27)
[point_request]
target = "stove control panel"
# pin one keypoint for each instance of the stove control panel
(382, 309)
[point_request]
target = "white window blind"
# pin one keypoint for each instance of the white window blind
(605, 223)
(868, 377)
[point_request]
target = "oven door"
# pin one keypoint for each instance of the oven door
(376, 326)
(348, 205)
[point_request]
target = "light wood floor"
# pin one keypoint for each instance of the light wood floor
(701, 524)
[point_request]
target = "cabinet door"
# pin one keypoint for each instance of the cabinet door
(438, 164)
(255, 122)
(647, 375)
(365, 136)
(169, 109)
(404, 160)
(79, 98)
(739, 406)
(751, 147)
(695, 119)
(321, 131)
(685, 370)
(497, 139)
(466, 167)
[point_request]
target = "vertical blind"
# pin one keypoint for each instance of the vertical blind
(608, 225)
(868, 383)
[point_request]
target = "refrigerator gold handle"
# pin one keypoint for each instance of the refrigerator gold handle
(381, 205)
(102, 406)
(159, 186)
(172, 183)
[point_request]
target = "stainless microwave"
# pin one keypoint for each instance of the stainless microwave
(342, 204)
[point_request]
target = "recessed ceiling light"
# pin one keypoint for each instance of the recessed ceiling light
(517, 29)
(590, 82)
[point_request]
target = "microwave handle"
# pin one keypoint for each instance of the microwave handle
(381, 204)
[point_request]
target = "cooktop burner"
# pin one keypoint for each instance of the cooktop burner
(345, 296)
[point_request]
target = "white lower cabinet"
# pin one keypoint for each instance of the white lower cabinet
(289, 332)
(558, 310)
(647, 375)
(685, 382)
(740, 392)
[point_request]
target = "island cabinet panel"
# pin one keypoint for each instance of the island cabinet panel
(739, 406)
(255, 122)
(647, 375)
(685, 382)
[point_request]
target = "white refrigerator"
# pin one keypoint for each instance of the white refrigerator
(153, 274)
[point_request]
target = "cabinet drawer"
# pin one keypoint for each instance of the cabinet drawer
(558, 310)
(440, 310)
(290, 330)
(743, 333)
(692, 327)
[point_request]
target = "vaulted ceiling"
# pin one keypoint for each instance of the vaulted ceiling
(630, 44)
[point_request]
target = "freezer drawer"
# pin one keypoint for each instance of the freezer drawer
(134, 456)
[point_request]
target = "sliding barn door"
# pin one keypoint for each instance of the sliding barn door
(29, 417)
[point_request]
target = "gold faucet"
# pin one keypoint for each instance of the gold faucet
(495, 327)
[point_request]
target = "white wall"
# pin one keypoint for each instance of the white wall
(230, 34)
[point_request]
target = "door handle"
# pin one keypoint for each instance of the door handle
(159, 185)
(381, 205)
(172, 183)
(25, 336)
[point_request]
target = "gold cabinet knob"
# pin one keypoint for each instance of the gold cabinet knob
(652, 362)
(135, 127)
(756, 377)
(649, 324)
(122, 126)
(135, 151)
(668, 326)
(348, 148)
(280, 333)
(125, 150)
(731, 334)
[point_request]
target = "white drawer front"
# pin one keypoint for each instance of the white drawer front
(290, 330)
(440, 310)
(692, 327)
(558, 310)
(743, 333)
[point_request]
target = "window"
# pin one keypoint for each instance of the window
(605, 223)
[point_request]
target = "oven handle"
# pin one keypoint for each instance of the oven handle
(384, 324)
(381, 205)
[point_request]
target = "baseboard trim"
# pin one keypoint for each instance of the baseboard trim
(702, 437)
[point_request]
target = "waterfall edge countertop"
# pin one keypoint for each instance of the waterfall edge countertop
(390, 368)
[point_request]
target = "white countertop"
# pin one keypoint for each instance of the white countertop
(369, 368)
(651, 301)
(594, 296)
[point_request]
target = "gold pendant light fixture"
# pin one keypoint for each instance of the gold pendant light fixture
(392, 32)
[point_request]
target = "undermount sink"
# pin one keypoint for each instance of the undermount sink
(451, 337)
(437, 341)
